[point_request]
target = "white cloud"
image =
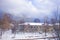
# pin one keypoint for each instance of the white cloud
(18, 6)
(28, 7)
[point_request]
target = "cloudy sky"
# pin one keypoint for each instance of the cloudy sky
(30, 8)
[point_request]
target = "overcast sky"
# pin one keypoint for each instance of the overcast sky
(31, 8)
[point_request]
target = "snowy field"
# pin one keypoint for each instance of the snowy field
(32, 36)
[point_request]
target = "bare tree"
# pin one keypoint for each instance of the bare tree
(6, 21)
(1, 27)
(56, 28)
(46, 22)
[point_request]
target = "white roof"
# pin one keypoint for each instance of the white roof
(57, 23)
(31, 23)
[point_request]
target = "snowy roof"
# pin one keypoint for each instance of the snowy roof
(31, 23)
(57, 23)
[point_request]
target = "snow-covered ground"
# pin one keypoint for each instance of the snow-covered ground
(9, 36)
